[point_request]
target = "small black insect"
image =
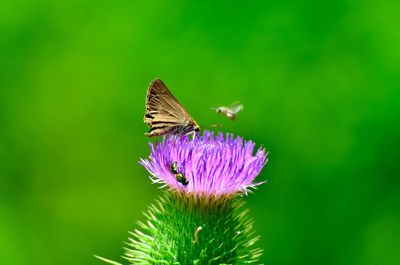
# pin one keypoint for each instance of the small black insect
(174, 167)
(178, 175)
(181, 179)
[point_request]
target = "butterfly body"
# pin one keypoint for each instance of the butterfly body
(164, 114)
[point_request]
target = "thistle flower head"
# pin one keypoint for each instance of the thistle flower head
(208, 165)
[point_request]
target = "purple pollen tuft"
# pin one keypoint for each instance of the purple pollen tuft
(206, 165)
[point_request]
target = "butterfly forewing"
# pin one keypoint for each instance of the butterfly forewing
(164, 114)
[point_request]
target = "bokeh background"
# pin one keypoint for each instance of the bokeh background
(319, 81)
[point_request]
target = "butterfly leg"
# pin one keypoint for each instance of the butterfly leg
(192, 135)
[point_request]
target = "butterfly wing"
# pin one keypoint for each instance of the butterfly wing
(164, 114)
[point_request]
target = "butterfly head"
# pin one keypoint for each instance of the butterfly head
(192, 127)
(196, 127)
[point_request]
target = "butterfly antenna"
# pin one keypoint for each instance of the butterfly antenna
(212, 125)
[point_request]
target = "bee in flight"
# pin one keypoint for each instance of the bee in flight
(231, 111)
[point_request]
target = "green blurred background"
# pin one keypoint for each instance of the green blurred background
(319, 81)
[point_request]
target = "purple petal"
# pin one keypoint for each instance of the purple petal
(212, 165)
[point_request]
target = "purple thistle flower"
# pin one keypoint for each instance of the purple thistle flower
(213, 166)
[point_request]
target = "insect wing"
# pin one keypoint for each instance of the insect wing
(236, 107)
(164, 114)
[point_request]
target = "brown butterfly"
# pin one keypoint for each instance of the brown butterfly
(164, 114)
